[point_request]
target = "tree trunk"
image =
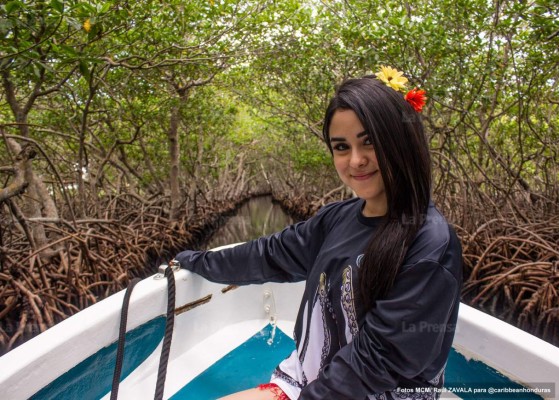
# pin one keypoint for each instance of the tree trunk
(174, 157)
(38, 202)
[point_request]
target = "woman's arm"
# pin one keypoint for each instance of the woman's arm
(285, 256)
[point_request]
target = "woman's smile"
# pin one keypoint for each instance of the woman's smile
(363, 175)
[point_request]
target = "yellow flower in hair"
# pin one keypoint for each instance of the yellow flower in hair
(392, 78)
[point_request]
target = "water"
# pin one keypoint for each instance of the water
(257, 217)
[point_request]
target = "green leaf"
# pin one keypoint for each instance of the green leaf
(106, 7)
(69, 50)
(87, 8)
(36, 71)
(84, 68)
(57, 5)
(13, 6)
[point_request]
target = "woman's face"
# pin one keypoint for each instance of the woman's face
(356, 162)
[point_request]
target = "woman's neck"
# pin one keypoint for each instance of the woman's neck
(374, 210)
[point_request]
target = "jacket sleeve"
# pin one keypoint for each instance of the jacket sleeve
(400, 337)
(285, 256)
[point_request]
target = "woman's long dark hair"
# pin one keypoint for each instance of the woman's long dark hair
(396, 131)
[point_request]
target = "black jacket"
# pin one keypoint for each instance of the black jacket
(344, 351)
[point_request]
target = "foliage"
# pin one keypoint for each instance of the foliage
(100, 79)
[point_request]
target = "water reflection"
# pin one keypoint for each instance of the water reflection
(257, 217)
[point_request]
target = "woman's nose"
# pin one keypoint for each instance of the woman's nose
(358, 159)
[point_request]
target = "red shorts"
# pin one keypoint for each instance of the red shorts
(275, 389)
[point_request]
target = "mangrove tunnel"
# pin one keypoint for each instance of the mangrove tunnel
(132, 130)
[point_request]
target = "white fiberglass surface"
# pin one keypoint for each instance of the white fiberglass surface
(184, 367)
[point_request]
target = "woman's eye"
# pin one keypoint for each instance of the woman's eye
(367, 142)
(341, 147)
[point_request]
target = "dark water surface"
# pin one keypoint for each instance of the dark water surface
(257, 217)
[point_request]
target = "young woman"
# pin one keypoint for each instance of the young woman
(382, 270)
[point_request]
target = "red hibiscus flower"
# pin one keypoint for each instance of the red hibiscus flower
(416, 98)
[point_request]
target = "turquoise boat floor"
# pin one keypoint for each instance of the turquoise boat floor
(247, 366)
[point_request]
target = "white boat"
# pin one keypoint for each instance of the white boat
(230, 338)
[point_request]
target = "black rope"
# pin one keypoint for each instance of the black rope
(169, 324)
(166, 348)
(122, 338)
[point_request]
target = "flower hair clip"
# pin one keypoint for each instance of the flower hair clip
(397, 81)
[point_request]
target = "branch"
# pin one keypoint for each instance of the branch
(182, 90)
(37, 93)
(10, 93)
(19, 184)
(554, 34)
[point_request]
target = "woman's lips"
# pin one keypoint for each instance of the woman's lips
(362, 177)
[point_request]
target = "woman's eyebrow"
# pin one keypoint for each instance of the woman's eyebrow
(341, 139)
